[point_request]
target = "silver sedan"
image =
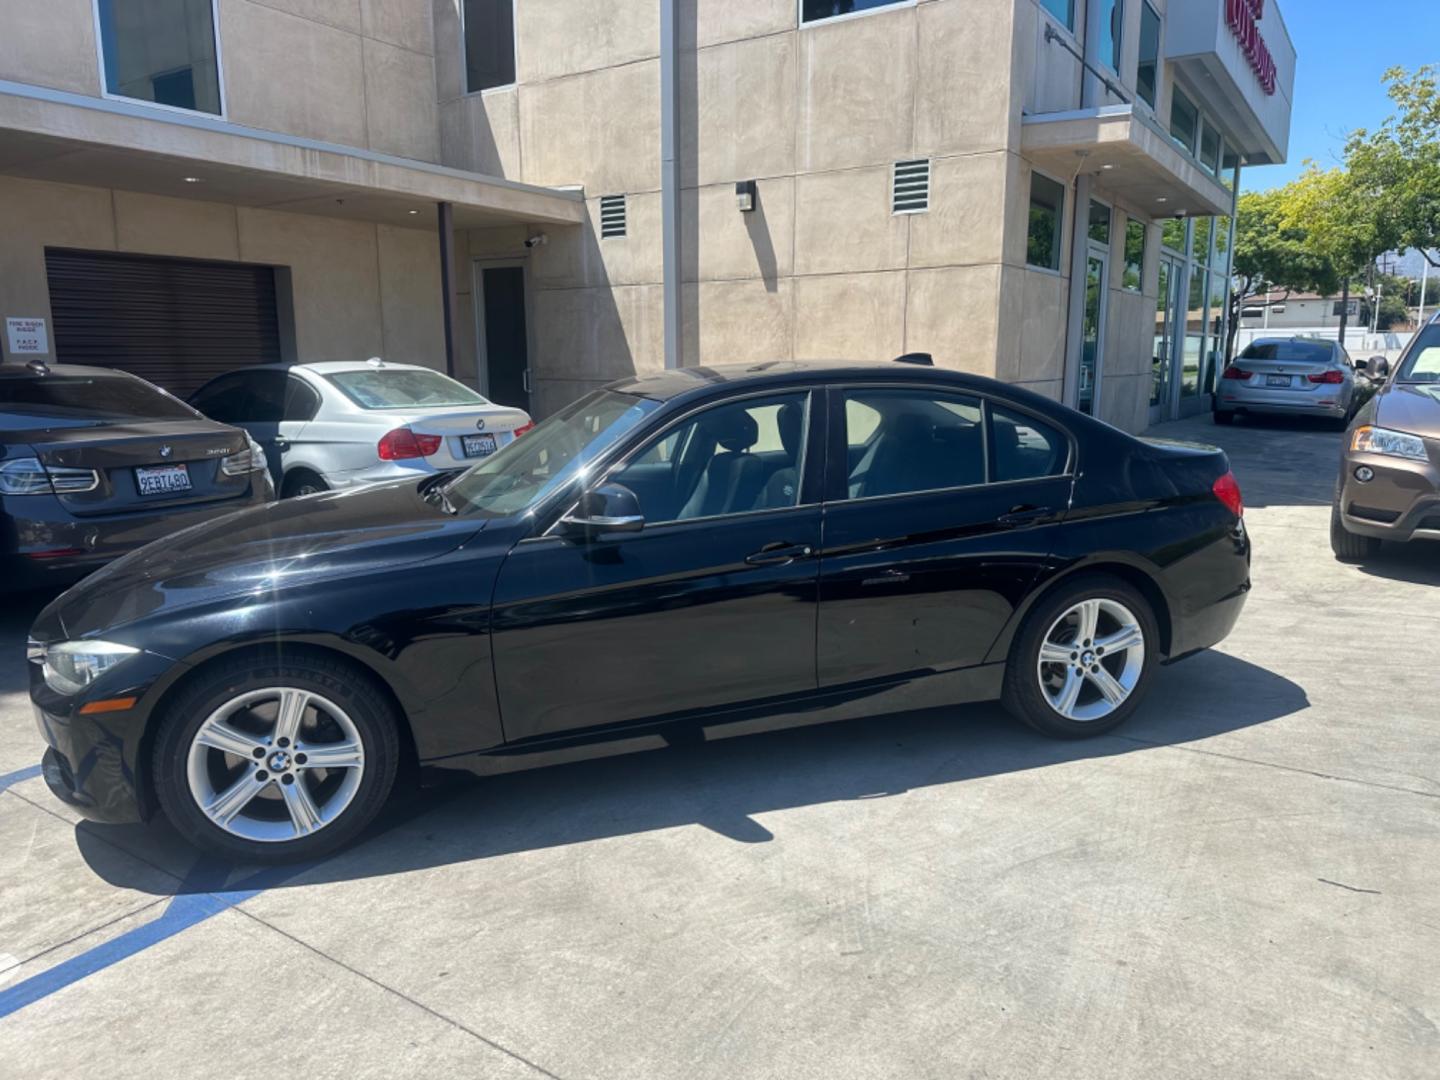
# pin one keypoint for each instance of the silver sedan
(1297, 376)
(337, 425)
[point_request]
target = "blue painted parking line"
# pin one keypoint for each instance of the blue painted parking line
(10, 778)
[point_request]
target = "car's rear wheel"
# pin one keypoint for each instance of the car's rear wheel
(1347, 546)
(302, 482)
(1083, 659)
(273, 761)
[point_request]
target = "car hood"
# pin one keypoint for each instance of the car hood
(259, 551)
(1412, 407)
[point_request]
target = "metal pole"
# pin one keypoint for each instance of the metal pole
(1424, 283)
(670, 180)
(446, 223)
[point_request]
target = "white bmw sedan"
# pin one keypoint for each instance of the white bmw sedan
(339, 424)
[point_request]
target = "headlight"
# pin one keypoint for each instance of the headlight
(251, 459)
(1375, 440)
(70, 666)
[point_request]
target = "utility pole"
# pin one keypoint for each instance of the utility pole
(1424, 284)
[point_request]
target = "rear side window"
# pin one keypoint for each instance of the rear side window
(904, 441)
(1023, 448)
(302, 402)
(81, 397)
(379, 388)
(1298, 352)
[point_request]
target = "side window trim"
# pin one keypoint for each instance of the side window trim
(299, 390)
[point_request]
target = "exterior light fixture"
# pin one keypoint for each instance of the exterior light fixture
(193, 180)
(745, 195)
(1161, 198)
(414, 211)
(1107, 168)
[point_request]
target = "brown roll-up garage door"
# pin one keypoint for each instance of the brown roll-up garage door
(176, 322)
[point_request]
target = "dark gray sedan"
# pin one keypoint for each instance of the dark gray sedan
(95, 463)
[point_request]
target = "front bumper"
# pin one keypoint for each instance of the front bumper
(97, 763)
(1401, 502)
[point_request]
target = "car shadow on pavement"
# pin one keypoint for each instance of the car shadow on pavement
(721, 785)
(1417, 562)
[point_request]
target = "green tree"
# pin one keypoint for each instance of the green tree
(1272, 254)
(1400, 161)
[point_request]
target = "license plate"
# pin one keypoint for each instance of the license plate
(478, 445)
(162, 479)
(1277, 380)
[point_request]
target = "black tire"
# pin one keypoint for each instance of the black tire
(1224, 419)
(302, 482)
(1347, 546)
(347, 686)
(1022, 695)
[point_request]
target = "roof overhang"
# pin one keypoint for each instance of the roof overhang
(70, 138)
(1132, 159)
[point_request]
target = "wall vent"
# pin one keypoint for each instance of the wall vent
(911, 191)
(612, 216)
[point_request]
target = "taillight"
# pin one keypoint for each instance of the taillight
(523, 428)
(1331, 376)
(1234, 372)
(402, 443)
(1227, 490)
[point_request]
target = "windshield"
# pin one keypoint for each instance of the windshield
(401, 388)
(90, 397)
(1298, 352)
(530, 468)
(1423, 363)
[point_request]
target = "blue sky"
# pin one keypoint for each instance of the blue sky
(1344, 47)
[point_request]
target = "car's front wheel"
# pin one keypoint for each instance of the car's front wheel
(265, 760)
(1346, 545)
(1083, 659)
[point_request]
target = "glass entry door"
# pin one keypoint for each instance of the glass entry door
(1167, 322)
(1093, 338)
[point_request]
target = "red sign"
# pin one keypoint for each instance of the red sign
(1243, 17)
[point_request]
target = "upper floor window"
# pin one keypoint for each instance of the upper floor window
(815, 10)
(1184, 119)
(1112, 21)
(161, 51)
(1047, 212)
(1147, 75)
(1100, 224)
(489, 31)
(1064, 10)
(1210, 148)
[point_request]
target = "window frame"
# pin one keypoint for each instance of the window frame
(1118, 38)
(1060, 234)
(891, 5)
(465, 90)
(223, 114)
(837, 481)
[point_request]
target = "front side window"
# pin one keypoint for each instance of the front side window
(161, 51)
(1112, 20)
(1184, 120)
(1047, 203)
(1063, 10)
(1134, 255)
(489, 30)
(244, 397)
(400, 388)
(1147, 75)
(815, 10)
(731, 459)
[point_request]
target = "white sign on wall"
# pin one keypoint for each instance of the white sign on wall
(27, 336)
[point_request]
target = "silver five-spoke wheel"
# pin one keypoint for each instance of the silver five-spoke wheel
(275, 764)
(1091, 659)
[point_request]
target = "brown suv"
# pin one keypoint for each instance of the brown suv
(1389, 486)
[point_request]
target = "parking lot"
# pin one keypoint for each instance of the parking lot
(1242, 882)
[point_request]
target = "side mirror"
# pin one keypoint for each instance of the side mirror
(609, 508)
(1377, 367)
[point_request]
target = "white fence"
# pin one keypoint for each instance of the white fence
(1360, 343)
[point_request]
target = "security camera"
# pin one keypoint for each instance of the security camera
(539, 240)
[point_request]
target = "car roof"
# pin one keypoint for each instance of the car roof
(679, 382)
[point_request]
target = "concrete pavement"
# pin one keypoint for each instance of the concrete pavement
(1243, 882)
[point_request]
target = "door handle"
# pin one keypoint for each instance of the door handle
(525, 379)
(1020, 516)
(779, 554)
(282, 444)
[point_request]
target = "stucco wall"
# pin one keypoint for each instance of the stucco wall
(359, 289)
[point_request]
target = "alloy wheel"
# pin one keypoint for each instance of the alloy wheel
(275, 764)
(1091, 659)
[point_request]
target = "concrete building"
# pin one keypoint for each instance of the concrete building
(543, 195)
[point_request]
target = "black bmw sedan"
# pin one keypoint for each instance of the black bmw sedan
(702, 553)
(96, 462)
